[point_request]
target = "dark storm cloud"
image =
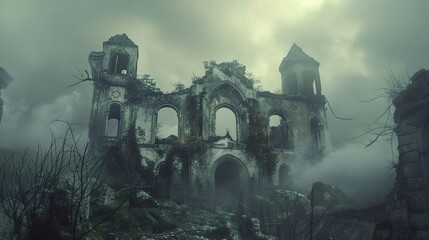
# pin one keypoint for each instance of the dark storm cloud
(394, 32)
(41, 42)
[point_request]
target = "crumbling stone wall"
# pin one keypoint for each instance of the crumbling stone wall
(198, 152)
(5, 79)
(408, 204)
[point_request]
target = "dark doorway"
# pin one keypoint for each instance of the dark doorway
(228, 186)
(284, 172)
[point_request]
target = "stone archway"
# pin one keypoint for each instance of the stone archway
(227, 182)
(229, 179)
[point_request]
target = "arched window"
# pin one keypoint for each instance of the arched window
(113, 120)
(226, 123)
(167, 126)
(280, 133)
(316, 134)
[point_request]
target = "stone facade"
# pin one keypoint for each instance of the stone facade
(5, 79)
(300, 138)
(408, 204)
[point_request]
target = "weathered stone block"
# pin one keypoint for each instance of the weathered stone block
(414, 184)
(422, 235)
(412, 170)
(417, 201)
(409, 157)
(408, 148)
(413, 121)
(420, 221)
(406, 129)
(407, 139)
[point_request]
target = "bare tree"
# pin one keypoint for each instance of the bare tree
(383, 124)
(46, 194)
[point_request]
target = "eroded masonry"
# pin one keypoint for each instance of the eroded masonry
(408, 203)
(195, 162)
(5, 79)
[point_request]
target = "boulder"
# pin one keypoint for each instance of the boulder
(103, 196)
(325, 195)
(142, 199)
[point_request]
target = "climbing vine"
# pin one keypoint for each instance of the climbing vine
(126, 165)
(190, 145)
(140, 88)
(131, 153)
(258, 142)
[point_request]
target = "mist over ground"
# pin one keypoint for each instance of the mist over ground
(364, 174)
(356, 43)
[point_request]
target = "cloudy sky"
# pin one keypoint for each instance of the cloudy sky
(356, 42)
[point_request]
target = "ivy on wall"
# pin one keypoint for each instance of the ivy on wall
(190, 145)
(140, 88)
(258, 143)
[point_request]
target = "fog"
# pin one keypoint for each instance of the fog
(364, 174)
(43, 42)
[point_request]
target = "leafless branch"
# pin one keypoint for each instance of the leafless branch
(391, 89)
(81, 76)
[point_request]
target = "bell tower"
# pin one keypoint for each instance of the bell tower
(111, 70)
(300, 73)
(121, 55)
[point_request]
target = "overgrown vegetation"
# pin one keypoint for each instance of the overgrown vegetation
(232, 68)
(124, 161)
(258, 142)
(191, 145)
(140, 88)
(168, 221)
(182, 152)
(44, 194)
(178, 87)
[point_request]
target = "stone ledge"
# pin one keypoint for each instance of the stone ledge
(408, 148)
(409, 157)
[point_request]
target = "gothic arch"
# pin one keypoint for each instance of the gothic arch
(224, 95)
(166, 104)
(281, 113)
(114, 119)
(236, 113)
(234, 161)
(226, 84)
(286, 127)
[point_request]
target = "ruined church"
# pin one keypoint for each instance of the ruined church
(196, 161)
